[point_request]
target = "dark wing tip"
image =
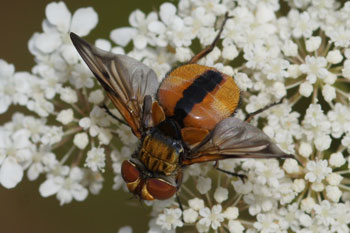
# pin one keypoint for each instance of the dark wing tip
(78, 42)
(73, 36)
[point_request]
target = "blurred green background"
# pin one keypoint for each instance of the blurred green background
(22, 208)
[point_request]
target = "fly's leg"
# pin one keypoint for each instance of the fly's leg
(241, 176)
(253, 114)
(112, 115)
(208, 49)
(181, 207)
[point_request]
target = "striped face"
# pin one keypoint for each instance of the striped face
(198, 96)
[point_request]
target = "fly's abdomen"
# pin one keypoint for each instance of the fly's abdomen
(158, 156)
(198, 96)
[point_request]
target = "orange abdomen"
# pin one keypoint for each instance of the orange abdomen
(198, 96)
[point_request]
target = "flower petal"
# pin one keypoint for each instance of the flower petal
(58, 14)
(136, 17)
(167, 12)
(64, 196)
(79, 193)
(157, 27)
(11, 173)
(47, 42)
(140, 41)
(84, 20)
(5, 102)
(50, 186)
(122, 36)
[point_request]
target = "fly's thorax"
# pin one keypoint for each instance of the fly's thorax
(159, 153)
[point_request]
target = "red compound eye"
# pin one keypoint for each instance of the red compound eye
(160, 189)
(130, 173)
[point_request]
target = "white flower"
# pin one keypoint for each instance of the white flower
(317, 170)
(201, 228)
(42, 161)
(183, 54)
(196, 204)
(190, 215)
(177, 32)
(298, 185)
(269, 173)
(243, 81)
(235, 226)
(96, 96)
(92, 180)
(339, 117)
(317, 127)
(337, 159)
(199, 19)
(231, 213)
(314, 67)
(334, 56)
(230, 52)
(66, 188)
(14, 88)
(290, 217)
(203, 185)
(68, 95)
(57, 26)
(81, 77)
(170, 219)
(293, 71)
(96, 159)
(95, 123)
(340, 36)
(317, 186)
(305, 149)
(65, 116)
(305, 89)
(341, 217)
(303, 24)
(328, 93)
(51, 135)
(212, 217)
(334, 179)
(220, 194)
(325, 212)
(313, 43)
(346, 69)
(15, 151)
(140, 31)
(290, 48)
(266, 223)
(291, 166)
(308, 204)
(333, 193)
(275, 69)
(81, 140)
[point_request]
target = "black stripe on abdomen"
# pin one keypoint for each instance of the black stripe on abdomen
(195, 93)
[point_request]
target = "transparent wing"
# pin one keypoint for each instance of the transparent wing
(233, 138)
(126, 81)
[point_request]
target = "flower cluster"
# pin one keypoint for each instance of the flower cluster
(294, 49)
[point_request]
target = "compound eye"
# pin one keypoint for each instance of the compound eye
(130, 173)
(160, 189)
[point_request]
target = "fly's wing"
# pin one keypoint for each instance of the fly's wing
(127, 82)
(233, 138)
